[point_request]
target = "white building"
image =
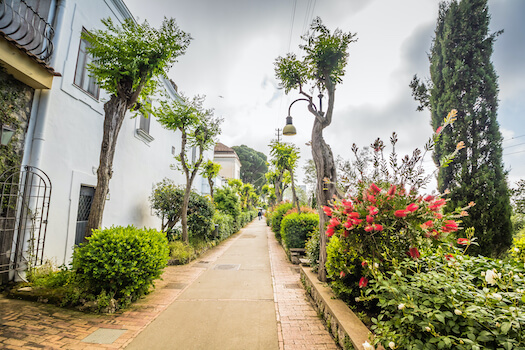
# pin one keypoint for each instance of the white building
(64, 132)
(229, 161)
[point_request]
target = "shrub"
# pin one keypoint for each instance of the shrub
(312, 249)
(277, 216)
(227, 201)
(449, 300)
(200, 216)
(296, 228)
(180, 252)
(517, 250)
(121, 261)
(226, 224)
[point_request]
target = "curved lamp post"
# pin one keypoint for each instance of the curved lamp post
(289, 128)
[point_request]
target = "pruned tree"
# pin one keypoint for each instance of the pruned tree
(322, 67)
(462, 77)
(253, 165)
(285, 157)
(126, 60)
(210, 170)
(199, 128)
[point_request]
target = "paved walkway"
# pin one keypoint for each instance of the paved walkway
(243, 294)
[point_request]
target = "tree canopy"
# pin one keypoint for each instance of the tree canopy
(253, 165)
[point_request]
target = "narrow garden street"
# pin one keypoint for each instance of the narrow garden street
(243, 294)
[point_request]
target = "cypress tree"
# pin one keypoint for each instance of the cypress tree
(463, 78)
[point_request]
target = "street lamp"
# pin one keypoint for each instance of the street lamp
(6, 134)
(289, 129)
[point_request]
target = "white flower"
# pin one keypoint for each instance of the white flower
(401, 306)
(516, 249)
(357, 299)
(497, 296)
(482, 273)
(367, 346)
(391, 345)
(376, 265)
(458, 312)
(490, 277)
(427, 329)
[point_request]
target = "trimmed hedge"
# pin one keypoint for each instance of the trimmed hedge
(121, 262)
(297, 228)
(277, 216)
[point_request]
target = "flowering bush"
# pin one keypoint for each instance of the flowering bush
(448, 300)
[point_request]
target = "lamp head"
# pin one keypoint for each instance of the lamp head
(289, 129)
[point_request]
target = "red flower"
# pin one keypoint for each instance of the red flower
(327, 210)
(334, 222)
(450, 226)
(412, 207)
(357, 221)
(437, 204)
(369, 219)
(369, 228)
(429, 198)
(438, 215)
(438, 130)
(364, 263)
(330, 231)
(392, 190)
(363, 282)
(353, 215)
(463, 241)
(414, 253)
(374, 189)
(342, 274)
(427, 225)
(372, 210)
(371, 198)
(378, 227)
(349, 224)
(400, 213)
(449, 256)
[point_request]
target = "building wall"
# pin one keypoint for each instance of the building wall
(67, 137)
(230, 167)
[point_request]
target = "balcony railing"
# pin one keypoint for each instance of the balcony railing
(21, 23)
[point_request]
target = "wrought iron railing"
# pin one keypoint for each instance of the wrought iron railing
(20, 22)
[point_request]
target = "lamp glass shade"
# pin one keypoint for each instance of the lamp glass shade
(289, 129)
(6, 135)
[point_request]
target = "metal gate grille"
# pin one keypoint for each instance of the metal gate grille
(24, 202)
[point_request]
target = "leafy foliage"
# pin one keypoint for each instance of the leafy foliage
(278, 214)
(253, 165)
(518, 197)
(462, 76)
(296, 228)
(227, 201)
(121, 261)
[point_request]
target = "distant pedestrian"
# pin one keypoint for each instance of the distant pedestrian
(260, 214)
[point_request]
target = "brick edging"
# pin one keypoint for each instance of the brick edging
(347, 329)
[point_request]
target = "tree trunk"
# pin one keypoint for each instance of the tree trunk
(210, 182)
(325, 165)
(115, 111)
(294, 199)
(184, 212)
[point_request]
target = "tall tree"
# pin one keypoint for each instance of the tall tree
(285, 157)
(126, 59)
(210, 170)
(199, 128)
(323, 67)
(463, 77)
(253, 165)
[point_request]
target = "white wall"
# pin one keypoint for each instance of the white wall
(66, 146)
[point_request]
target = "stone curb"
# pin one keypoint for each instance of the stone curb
(347, 329)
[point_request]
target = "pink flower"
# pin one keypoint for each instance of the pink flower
(437, 204)
(327, 210)
(371, 198)
(369, 228)
(463, 241)
(427, 225)
(414, 253)
(429, 198)
(369, 219)
(378, 227)
(342, 274)
(438, 130)
(349, 224)
(400, 213)
(372, 210)
(353, 215)
(412, 207)
(363, 282)
(450, 226)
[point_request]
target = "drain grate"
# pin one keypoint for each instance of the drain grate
(227, 267)
(104, 336)
(292, 286)
(176, 285)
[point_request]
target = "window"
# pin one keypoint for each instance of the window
(144, 123)
(82, 78)
(142, 131)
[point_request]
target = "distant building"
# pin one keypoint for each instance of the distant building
(229, 161)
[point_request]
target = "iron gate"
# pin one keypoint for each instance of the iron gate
(24, 209)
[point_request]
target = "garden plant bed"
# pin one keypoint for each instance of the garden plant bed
(343, 324)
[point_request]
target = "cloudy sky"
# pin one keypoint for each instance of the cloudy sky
(235, 43)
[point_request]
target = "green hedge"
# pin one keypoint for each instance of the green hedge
(277, 216)
(226, 224)
(122, 262)
(297, 228)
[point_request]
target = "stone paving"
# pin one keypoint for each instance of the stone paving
(29, 325)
